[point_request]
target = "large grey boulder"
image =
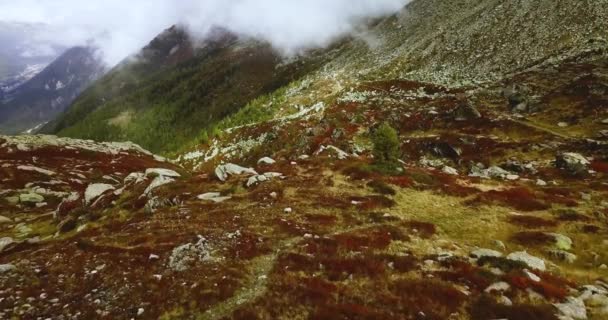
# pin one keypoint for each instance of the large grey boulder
(530, 260)
(95, 190)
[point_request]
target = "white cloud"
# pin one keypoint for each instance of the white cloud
(121, 27)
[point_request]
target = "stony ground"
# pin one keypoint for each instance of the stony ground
(500, 212)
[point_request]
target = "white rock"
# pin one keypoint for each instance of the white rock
(450, 170)
(512, 177)
(157, 182)
(136, 177)
(95, 190)
(266, 160)
(263, 178)
(479, 253)
(140, 312)
(153, 257)
(288, 210)
(36, 169)
(541, 183)
(573, 308)
(499, 287)
(530, 260)
(4, 242)
(223, 171)
(214, 197)
(4, 268)
(532, 276)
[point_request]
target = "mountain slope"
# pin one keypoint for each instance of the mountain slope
(166, 97)
(49, 92)
(453, 43)
(492, 204)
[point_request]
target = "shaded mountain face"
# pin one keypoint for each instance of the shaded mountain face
(23, 54)
(50, 91)
(175, 88)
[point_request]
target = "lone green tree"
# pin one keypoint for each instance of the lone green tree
(386, 147)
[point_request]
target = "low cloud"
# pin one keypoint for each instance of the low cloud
(120, 28)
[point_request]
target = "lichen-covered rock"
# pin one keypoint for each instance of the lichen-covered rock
(530, 260)
(5, 242)
(480, 253)
(572, 308)
(32, 198)
(263, 178)
(185, 256)
(224, 171)
(574, 163)
(95, 190)
(4, 268)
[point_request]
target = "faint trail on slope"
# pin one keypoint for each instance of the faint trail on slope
(255, 287)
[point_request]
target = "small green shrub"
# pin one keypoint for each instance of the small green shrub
(386, 148)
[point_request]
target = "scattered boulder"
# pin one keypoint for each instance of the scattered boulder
(95, 190)
(155, 203)
(134, 177)
(340, 154)
(184, 256)
(214, 197)
(5, 242)
(466, 112)
(224, 171)
(157, 182)
(498, 287)
(4, 220)
(480, 253)
(574, 163)
(573, 308)
(562, 242)
(493, 172)
(450, 171)
(605, 121)
(563, 255)
(36, 169)
(530, 260)
(31, 198)
(266, 160)
(263, 178)
(4, 268)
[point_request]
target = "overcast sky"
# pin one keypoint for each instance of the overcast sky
(121, 27)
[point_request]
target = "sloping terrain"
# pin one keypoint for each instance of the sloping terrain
(165, 97)
(50, 91)
(499, 211)
(452, 43)
(278, 208)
